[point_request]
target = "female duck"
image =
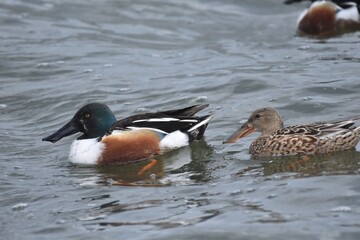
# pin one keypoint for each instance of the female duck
(316, 138)
(105, 140)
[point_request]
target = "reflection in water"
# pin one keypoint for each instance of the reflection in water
(314, 165)
(97, 215)
(161, 170)
(340, 163)
(140, 173)
(200, 154)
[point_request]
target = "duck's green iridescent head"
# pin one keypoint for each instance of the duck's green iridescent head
(93, 120)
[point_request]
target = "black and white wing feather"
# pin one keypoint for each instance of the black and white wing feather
(167, 122)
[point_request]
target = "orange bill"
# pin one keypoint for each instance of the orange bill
(243, 131)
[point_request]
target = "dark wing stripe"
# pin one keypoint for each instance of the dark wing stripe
(156, 120)
(166, 126)
(165, 120)
(149, 128)
(188, 111)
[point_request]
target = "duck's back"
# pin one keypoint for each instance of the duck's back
(317, 138)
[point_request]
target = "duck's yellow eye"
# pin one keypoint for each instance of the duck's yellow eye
(87, 115)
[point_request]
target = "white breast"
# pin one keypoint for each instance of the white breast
(86, 151)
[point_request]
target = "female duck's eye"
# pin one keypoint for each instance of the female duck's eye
(87, 115)
(257, 116)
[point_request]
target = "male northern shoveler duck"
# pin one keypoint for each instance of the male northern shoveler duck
(105, 140)
(316, 138)
(325, 18)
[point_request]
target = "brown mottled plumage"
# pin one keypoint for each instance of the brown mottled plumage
(316, 138)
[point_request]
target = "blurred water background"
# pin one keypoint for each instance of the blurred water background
(139, 56)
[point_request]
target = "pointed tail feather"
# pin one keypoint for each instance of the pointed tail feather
(197, 131)
(346, 124)
(188, 111)
(357, 130)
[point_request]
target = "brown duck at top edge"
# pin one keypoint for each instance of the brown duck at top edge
(324, 19)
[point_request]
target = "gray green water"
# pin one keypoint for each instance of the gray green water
(153, 55)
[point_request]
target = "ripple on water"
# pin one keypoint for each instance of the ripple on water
(19, 206)
(140, 56)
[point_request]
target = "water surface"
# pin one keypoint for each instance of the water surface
(139, 56)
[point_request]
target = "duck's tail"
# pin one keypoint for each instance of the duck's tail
(188, 111)
(197, 131)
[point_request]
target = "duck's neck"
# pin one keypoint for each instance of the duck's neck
(99, 128)
(268, 132)
(271, 129)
